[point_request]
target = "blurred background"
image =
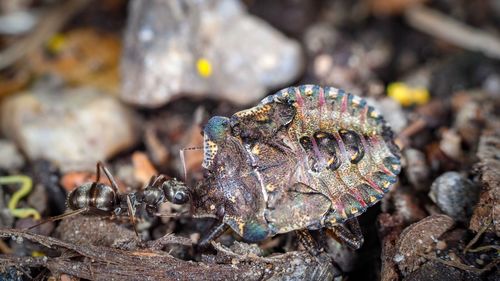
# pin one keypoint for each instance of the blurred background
(133, 82)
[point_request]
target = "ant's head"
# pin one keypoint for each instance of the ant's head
(176, 191)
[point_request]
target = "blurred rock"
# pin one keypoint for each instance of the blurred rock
(99, 231)
(451, 144)
(407, 205)
(343, 256)
(82, 56)
(487, 211)
(202, 48)
(17, 22)
(392, 7)
(417, 239)
(389, 228)
(12, 160)
(73, 128)
(455, 195)
(417, 169)
(469, 109)
(290, 16)
(392, 112)
(339, 61)
(46, 174)
(436, 271)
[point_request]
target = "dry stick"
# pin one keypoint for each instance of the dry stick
(105, 263)
(462, 266)
(478, 235)
(49, 23)
(446, 28)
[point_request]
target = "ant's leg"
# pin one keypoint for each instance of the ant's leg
(157, 180)
(215, 232)
(108, 175)
(349, 233)
(306, 239)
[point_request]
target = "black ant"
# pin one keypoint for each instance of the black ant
(96, 198)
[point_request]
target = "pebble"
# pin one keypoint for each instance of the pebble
(11, 157)
(455, 195)
(441, 245)
(338, 60)
(436, 271)
(418, 238)
(392, 112)
(74, 128)
(450, 144)
(198, 49)
(417, 169)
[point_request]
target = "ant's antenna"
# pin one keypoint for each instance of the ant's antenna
(60, 217)
(183, 160)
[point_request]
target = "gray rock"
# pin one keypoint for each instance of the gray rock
(73, 128)
(455, 195)
(11, 159)
(392, 112)
(202, 48)
(335, 59)
(417, 169)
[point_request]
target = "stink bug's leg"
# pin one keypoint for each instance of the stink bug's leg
(60, 217)
(306, 239)
(131, 215)
(215, 232)
(349, 233)
(108, 175)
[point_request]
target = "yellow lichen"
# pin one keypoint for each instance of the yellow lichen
(407, 95)
(204, 67)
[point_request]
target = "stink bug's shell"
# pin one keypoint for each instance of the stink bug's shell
(310, 157)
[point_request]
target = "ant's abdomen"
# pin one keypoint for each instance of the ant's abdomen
(92, 196)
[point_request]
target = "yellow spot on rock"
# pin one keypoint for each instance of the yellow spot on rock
(56, 43)
(407, 95)
(204, 67)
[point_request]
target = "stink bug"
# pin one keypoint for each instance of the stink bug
(305, 158)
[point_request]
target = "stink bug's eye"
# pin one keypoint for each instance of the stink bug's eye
(180, 197)
(217, 128)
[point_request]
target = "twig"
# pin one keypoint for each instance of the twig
(446, 28)
(49, 23)
(105, 263)
(478, 235)
(485, 248)
(462, 266)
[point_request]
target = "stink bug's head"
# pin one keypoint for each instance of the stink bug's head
(215, 132)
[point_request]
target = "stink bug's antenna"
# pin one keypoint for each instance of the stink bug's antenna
(183, 160)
